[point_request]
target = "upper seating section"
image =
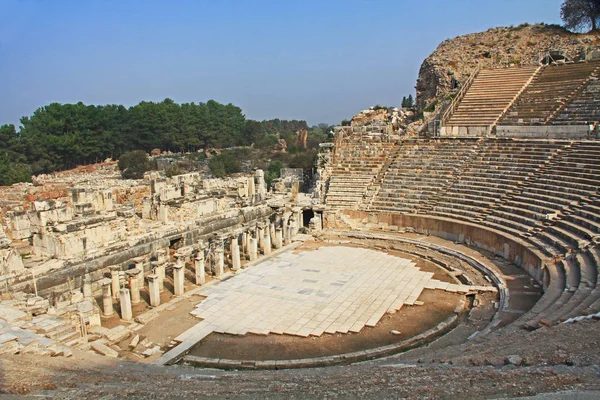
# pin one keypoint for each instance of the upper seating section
(550, 90)
(355, 167)
(489, 96)
(585, 108)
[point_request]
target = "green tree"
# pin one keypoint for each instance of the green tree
(410, 102)
(134, 164)
(580, 15)
(11, 172)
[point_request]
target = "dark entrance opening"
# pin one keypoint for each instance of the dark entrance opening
(553, 57)
(307, 215)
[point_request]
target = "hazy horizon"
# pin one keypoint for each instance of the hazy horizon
(304, 60)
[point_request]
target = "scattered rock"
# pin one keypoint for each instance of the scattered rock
(513, 360)
(103, 349)
(134, 342)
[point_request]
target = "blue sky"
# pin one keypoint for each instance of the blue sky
(319, 60)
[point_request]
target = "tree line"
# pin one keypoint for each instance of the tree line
(62, 136)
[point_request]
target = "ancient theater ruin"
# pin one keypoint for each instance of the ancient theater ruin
(420, 241)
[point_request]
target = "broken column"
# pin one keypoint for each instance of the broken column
(267, 240)
(219, 259)
(261, 238)
(139, 265)
(107, 304)
(154, 290)
(199, 267)
(252, 249)
(235, 255)
(278, 238)
(251, 189)
(134, 285)
(261, 187)
(116, 284)
(244, 248)
(161, 256)
(286, 236)
(272, 232)
(126, 313)
(178, 279)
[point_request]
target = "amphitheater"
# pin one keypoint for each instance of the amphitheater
(458, 263)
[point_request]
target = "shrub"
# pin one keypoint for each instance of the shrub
(133, 164)
(225, 163)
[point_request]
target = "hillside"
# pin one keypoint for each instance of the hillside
(525, 44)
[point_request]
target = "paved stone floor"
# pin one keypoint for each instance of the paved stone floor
(332, 289)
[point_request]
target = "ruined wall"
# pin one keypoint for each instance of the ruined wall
(458, 57)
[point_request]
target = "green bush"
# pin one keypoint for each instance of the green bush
(228, 162)
(273, 172)
(133, 164)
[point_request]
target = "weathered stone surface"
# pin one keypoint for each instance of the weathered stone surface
(101, 348)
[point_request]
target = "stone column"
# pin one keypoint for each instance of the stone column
(161, 256)
(107, 304)
(178, 279)
(272, 232)
(293, 226)
(87, 288)
(219, 260)
(244, 248)
(252, 249)
(278, 238)
(134, 285)
(159, 270)
(261, 187)
(267, 239)
(286, 236)
(261, 239)
(235, 255)
(251, 189)
(139, 265)
(199, 267)
(126, 313)
(154, 290)
(116, 284)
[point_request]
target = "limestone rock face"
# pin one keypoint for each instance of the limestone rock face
(455, 59)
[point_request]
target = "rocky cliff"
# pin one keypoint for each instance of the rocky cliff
(455, 59)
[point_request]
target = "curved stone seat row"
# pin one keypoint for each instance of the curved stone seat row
(552, 202)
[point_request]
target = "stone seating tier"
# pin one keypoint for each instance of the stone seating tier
(489, 95)
(548, 92)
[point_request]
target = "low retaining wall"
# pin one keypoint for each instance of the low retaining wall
(545, 131)
(346, 358)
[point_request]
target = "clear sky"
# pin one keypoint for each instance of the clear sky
(319, 60)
